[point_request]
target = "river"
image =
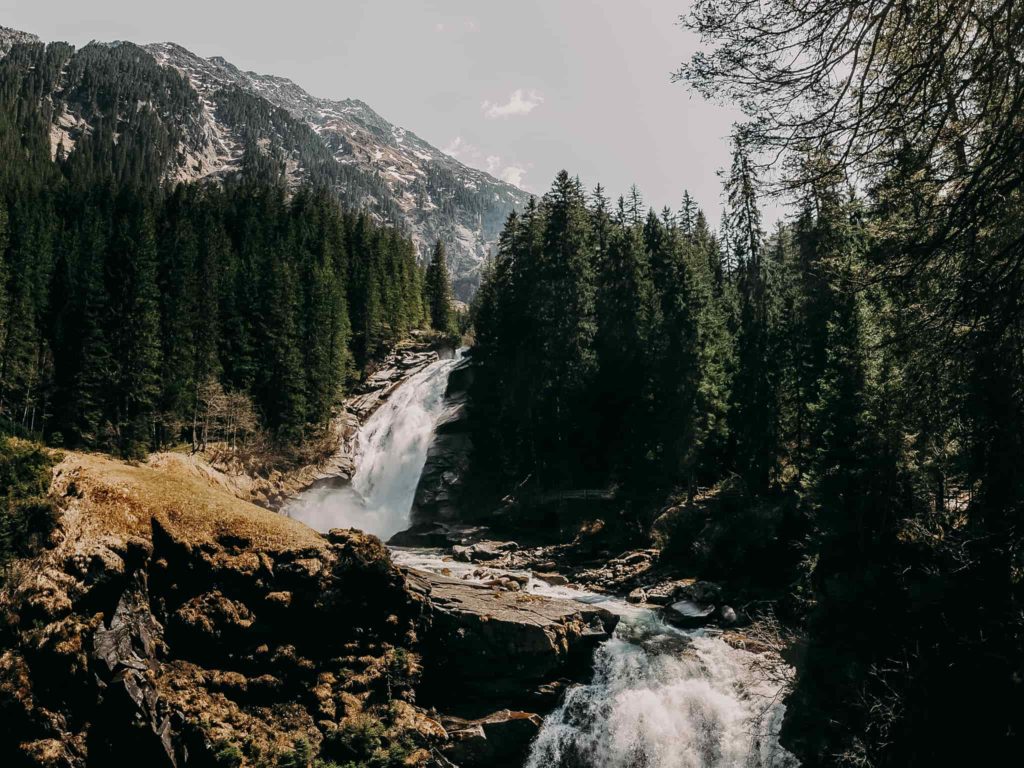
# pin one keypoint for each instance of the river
(660, 697)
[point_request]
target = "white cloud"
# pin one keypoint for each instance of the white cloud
(521, 102)
(511, 173)
(514, 175)
(456, 147)
(465, 25)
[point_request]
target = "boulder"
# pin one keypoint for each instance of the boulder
(437, 535)
(727, 616)
(687, 614)
(636, 596)
(483, 551)
(499, 645)
(554, 579)
(499, 740)
(667, 591)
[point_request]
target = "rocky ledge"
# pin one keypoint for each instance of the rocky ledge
(502, 646)
(172, 624)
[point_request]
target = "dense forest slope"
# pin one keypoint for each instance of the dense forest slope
(138, 309)
(829, 414)
(217, 119)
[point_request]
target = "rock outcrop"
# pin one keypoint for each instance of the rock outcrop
(484, 644)
(439, 492)
(498, 740)
(170, 623)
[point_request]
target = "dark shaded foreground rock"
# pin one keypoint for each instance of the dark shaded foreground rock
(499, 740)
(485, 645)
(171, 624)
(439, 493)
(438, 535)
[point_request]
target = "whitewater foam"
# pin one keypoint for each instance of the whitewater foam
(391, 450)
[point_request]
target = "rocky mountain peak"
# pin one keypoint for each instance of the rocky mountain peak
(407, 180)
(227, 114)
(10, 37)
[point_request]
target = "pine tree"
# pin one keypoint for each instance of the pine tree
(134, 323)
(755, 402)
(688, 212)
(438, 292)
(564, 305)
(626, 317)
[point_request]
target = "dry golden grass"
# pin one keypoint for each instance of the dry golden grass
(122, 499)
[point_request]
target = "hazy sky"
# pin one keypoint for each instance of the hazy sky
(522, 88)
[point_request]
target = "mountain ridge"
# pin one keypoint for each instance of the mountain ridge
(370, 162)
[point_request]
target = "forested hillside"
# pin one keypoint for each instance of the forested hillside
(207, 120)
(135, 314)
(831, 426)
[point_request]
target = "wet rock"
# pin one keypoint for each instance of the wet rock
(498, 644)
(483, 551)
(727, 616)
(438, 535)
(439, 491)
(667, 591)
(638, 595)
(687, 614)
(554, 579)
(495, 741)
(621, 573)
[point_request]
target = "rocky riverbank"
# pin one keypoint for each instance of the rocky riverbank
(170, 622)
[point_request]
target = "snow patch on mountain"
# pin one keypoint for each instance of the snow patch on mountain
(434, 195)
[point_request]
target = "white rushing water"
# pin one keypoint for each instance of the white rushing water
(660, 697)
(391, 449)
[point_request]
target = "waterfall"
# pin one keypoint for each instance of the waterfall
(661, 697)
(391, 449)
(664, 698)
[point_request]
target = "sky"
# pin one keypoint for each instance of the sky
(521, 89)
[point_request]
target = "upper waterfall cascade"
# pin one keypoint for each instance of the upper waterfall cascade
(391, 450)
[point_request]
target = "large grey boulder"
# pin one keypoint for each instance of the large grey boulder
(503, 645)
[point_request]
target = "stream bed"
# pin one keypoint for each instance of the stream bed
(659, 697)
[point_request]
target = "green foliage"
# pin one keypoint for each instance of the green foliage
(298, 757)
(438, 298)
(729, 535)
(27, 516)
(228, 755)
(364, 741)
(134, 316)
(606, 356)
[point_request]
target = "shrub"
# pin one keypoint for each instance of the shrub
(299, 757)
(27, 516)
(364, 741)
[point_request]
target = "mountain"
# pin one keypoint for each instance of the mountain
(216, 120)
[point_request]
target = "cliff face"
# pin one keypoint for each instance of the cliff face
(170, 623)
